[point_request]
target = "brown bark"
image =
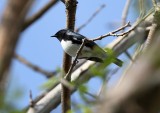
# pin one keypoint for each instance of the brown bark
(10, 27)
(39, 14)
(70, 23)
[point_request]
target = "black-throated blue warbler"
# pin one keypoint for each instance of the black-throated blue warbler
(71, 42)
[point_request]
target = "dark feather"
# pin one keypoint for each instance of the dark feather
(96, 59)
(78, 38)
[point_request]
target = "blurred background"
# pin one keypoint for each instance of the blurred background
(36, 45)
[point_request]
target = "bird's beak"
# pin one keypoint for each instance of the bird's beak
(54, 36)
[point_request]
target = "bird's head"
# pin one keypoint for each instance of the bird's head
(60, 34)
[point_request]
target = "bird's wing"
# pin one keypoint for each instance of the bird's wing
(78, 38)
(77, 35)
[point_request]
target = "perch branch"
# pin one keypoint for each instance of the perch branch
(75, 60)
(113, 32)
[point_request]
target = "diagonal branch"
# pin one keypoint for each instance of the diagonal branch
(150, 37)
(125, 12)
(75, 60)
(63, 81)
(124, 17)
(34, 67)
(26, 24)
(91, 18)
(113, 32)
(39, 14)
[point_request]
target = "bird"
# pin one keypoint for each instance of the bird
(71, 42)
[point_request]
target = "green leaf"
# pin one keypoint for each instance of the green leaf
(70, 111)
(52, 81)
(98, 71)
(83, 88)
(86, 109)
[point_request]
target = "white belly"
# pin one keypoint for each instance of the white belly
(72, 49)
(69, 48)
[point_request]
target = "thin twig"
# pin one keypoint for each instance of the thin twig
(76, 57)
(39, 14)
(31, 99)
(153, 28)
(113, 32)
(124, 17)
(128, 55)
(154, 3)
(103, 86)
(67, 84)
(150, 37)
(73, 87)
(34, 67)
(64, 81)
(125, 12)
(91, 95)
(91, 18)
(142, 8)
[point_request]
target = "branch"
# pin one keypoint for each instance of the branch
(75, 60)
(153, 28)
(71, 6)
(91, 18)
(34, 67)
(154, 3)
(32, 110)
(72, 66)
(105, 81)
(150, 37)
(113, 32)
(10, 30)
(139, 89)
(125, 12)
(31, 99)
(39, 14)
(128, 55)
(124, 17)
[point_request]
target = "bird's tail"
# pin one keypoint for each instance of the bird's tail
(118, 62)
